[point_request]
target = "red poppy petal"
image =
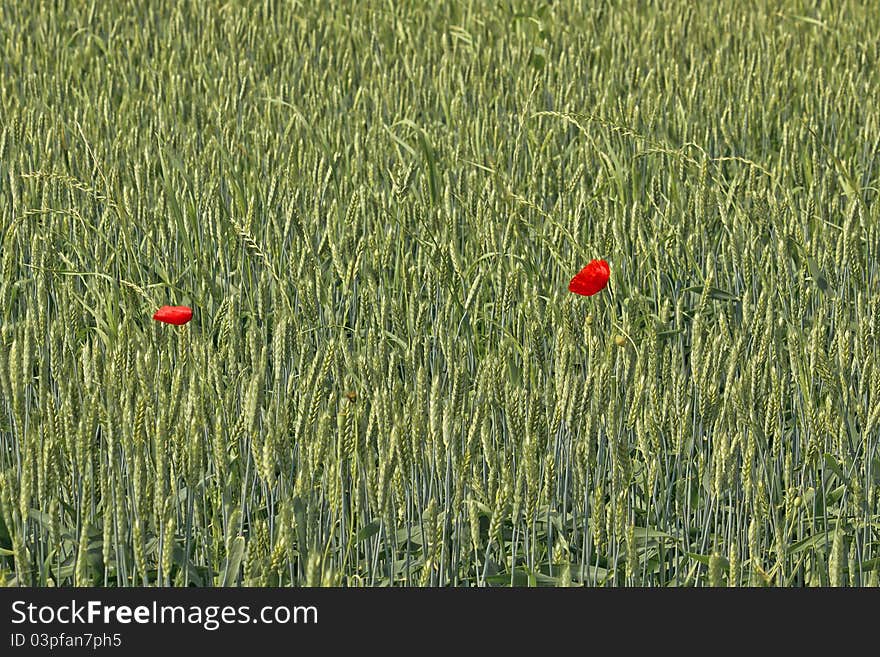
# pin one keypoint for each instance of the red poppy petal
(176, 315)
(580, 284)
(591, 279)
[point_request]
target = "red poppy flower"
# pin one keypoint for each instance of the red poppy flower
(176, 315)
(591, 278)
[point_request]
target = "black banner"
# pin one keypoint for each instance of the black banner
(128, 621)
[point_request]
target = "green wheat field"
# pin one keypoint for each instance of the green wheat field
(374, 209)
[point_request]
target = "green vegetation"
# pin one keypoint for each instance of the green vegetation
(375, 209)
